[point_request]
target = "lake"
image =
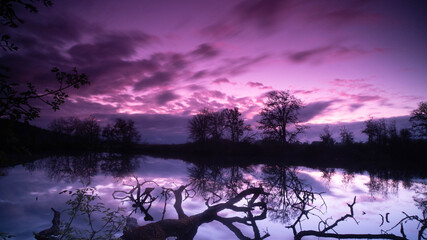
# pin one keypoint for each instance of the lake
(29, 191)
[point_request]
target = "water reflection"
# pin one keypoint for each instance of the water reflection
(294, 195)
(83, 167)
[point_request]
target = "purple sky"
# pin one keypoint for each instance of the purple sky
(159, 62)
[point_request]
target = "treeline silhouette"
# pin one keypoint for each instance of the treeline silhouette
(214, 140)
(225, 137)
(66, 136)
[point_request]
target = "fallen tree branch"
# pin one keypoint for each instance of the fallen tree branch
(185, 227)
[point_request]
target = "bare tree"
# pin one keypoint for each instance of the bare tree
(326, 136)
(419, 119)
(198, 126)
(65, 125)
(346, 136)
(207, 125)
(235, 124)
(87, 129)
(376, 130)
(216, 125)
(279, 114)
(122, 132)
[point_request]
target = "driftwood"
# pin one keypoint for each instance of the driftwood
(50, 233)
(323, 233)
(185, 227)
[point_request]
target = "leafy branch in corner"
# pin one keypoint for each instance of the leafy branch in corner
(9, 18)
(15, 104)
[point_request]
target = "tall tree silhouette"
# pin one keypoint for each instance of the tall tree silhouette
(326, 136)
(198, 126)
(419, 119)
(235, 124)
(216, 125)
(376, 131)
(122, 133)
(346, 136)
(279, 114)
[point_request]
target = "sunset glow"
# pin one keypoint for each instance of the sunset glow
(160, 62)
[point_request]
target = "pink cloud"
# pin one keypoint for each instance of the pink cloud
(351, 83)
(257, 85)
(361, 98)
(305, 92)
(222, 80)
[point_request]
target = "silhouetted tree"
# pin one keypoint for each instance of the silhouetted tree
(392, 135)
(210, 125)
(122, 132)
(185, 227)
(379, 132)
(279, 114)
(88, 130)
(376, 130)
(216, 123)
(198, 126)
(65, 125)
(419, 119)
(16, 103)
(346, 136)
(405, 134)
(235, 124)
(8, 18)
(326, 136)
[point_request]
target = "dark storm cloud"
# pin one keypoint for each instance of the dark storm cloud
(235, 66)
(198, 74)
(110, 46)
(43, 39)
(351, 83)
(265, 14)
(361, 98)
(312, 110)
(257, 85)
(172, 61)
(305, 92)
(165, 97)
(262, 15)
(112, 76)
(159, 79)
(346, 15)
(194, 87)
(355, 106)
(206, 50)
(343, 12)
(366, 98)
(323, 53)
(221, 80)
(54, 29)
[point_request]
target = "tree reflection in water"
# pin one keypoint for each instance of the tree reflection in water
(250, 193)
(83, 167)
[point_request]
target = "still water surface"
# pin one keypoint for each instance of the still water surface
(28, 192)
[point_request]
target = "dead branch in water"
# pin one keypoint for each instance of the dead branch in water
(185, 227)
